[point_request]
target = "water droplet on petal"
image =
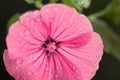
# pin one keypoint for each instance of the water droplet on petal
(19, 61)
(28, 61)
(29, 72)
(35, 73)
(24, 78)
(47, 69)
(76, 71)
(16, 67)
(30, 58)
(57, 68)
(56, 76)
(78, 77)
(73, 67)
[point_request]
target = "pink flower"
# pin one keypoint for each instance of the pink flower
(54, 43)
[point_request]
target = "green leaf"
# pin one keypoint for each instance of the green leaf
(38, 3)
(13, 19)
(30, 1)
(68, 2)
(110, 39)
(113, 12)
(80, 4)
(53, 1)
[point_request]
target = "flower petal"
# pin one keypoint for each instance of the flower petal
(64, 22)
(20, 69)
(87, 57)
(77, 41)
(13, 67)
(64, 69)
(22, 39)
(32, 22)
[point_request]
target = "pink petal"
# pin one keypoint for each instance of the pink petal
(42, 67)
(13, 67)
(25, 35)
(32, 22)
(77, 41)
(65, 69)
(86, 58)
(64, 22)
(21, 69)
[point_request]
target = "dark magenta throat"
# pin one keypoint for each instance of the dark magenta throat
(50, 45)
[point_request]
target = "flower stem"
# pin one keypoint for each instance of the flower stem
(97, 14)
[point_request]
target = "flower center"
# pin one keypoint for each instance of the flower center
(50, 45)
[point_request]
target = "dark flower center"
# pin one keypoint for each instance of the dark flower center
(50, 45)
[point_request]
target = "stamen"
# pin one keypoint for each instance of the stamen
(50, 45)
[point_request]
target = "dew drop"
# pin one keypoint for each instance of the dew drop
(47, 69)
(73, 67)
(63, 14)
(76, 71)
(47, 10)
(29, 59)
(46, 64)
(19, 61)
(29, 72)
(57, 68)
(78, 77)
(31, 56)
(91, 59)
(16, 67)
(94, 42)
(35, 73)
(24, 78)
(61, 19)
(55, 9)
(82, 2)
(56, 76)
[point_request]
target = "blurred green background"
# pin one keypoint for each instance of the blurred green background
(104, 15)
